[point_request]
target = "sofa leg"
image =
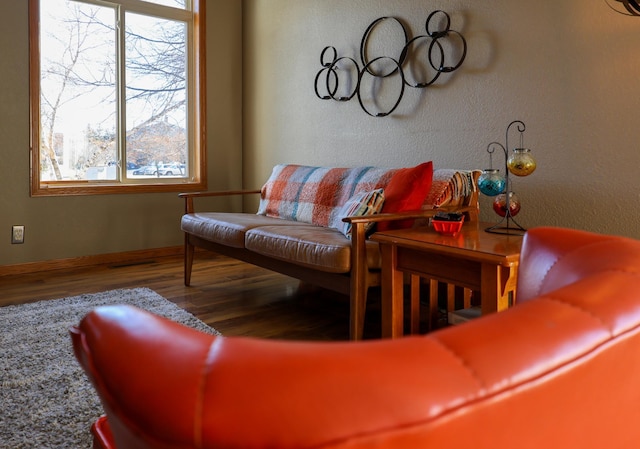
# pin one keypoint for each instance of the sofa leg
(358, 306)
(189, 250)
(359, 280)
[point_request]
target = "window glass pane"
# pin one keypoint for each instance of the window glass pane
(156, 96)
(112, 88)
(174, 3)
(78, 92)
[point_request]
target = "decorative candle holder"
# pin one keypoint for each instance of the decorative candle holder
(491, 183)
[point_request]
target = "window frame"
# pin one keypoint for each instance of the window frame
(196, 136)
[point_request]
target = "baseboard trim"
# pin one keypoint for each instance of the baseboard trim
(90, 261)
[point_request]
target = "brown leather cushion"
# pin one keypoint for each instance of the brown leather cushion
(317, 247)
(227, 228)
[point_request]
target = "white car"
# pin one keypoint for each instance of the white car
(171, 169)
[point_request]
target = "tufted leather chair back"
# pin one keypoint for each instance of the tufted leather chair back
(557, 370)
(552, 258)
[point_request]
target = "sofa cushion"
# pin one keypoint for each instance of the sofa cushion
(406, 192)
(317, 247)
(226, 228)
(359, 205)
(312, 194)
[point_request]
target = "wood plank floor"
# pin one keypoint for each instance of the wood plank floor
(233, 297)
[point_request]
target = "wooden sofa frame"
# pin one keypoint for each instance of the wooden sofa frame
(354, 284)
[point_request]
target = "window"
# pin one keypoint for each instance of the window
(116, 96)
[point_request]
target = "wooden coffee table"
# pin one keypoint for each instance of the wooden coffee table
(474, 259)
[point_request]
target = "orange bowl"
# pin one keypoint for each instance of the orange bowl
(447, 227)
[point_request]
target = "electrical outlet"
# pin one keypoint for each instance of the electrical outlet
(17, 234)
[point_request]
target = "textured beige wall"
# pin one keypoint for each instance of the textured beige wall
(66, 227)
(569, 69)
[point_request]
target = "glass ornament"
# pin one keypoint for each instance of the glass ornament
(500, 204)
(521, 163)
(491, 182)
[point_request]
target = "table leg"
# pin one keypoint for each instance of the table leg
(451, 298)
(433, 303)
(467, 293)
(392, 294)
(415, 304)
(496, 283)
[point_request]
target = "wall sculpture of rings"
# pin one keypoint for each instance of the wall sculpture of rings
(342, 78)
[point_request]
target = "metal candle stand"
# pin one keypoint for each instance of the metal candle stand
(521, 163)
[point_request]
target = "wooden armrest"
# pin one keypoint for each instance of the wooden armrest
(358, 235)
(189, 196)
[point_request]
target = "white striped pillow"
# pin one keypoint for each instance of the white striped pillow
(360, 204)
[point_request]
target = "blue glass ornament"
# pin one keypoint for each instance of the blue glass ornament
(491, 182)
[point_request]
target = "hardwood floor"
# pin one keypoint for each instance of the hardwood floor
(233, 297)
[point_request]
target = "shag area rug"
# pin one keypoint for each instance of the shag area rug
(46, 401)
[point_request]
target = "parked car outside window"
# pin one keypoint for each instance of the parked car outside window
(146, 170)
(171, 169)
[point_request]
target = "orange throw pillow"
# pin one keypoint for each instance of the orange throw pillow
(406, 192)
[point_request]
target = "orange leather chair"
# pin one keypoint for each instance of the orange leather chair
(560, 369)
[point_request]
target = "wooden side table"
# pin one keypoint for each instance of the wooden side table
(473, 259)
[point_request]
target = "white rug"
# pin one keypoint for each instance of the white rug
(46, 401)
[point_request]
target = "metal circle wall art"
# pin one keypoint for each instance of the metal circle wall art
(367, 69)
(364, 48)
(631, 7)
(331, 77)
(342, 78)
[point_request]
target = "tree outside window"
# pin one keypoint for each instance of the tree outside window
(117, 101)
